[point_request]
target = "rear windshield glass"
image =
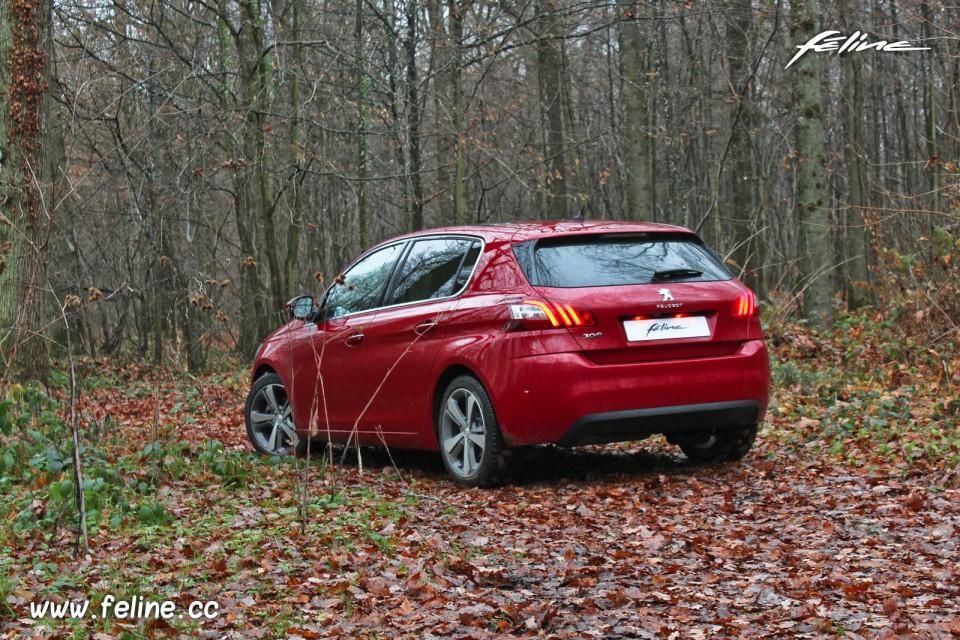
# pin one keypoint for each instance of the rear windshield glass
(611, 260)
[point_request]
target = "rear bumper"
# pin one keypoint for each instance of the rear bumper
(636, 424)
(565, 398)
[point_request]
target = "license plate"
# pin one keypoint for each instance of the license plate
(666, 328)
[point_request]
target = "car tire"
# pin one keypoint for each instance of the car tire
(728, 444)
(269, 417)
(468, 433)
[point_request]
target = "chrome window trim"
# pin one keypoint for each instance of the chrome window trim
(403, 255)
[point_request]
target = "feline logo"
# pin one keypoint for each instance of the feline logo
(666, 294)
(830, 41)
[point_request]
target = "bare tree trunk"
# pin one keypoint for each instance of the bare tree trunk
(163, 293)
(414, 113)
(395, 80)
(634, 35)
(252, 303)
(811, 209)
(363, 97)
(458, 106)
(440, 66)
(855, 284)
(446, 60)
(702, 59)
(741, 176)
(83, 540)
(930, 110)
(297, 152)
(257, 89)
(28, 170)
(581, 198)
(10, 179)
(675, 206)
(550, 75)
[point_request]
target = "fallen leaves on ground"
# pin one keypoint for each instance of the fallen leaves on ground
(805, 538)
(629, 542)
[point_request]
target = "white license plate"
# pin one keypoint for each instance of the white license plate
(666, 328)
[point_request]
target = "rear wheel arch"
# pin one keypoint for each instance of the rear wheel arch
(471, 444)
(440, 387)
(449, 374)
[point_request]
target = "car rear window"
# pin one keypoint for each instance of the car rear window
(618, 259)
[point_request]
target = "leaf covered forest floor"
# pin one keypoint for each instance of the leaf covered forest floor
(842, 522)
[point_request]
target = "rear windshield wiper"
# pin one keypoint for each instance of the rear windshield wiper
(670, 274)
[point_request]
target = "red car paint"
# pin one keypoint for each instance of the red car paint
(383, 371)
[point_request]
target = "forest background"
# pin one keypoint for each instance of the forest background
(174, 171)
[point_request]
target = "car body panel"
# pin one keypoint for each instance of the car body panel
(556, 390)
(402, 344)
(612, 305)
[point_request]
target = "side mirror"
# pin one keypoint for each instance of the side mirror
(301, 307)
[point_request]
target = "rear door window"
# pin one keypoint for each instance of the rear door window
(618, 259)
(434, 268)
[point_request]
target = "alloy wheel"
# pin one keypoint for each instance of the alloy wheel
(270, 418)
(463, 432)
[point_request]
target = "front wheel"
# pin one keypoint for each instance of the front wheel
(727, 444)
(269, 417)
(471, 444)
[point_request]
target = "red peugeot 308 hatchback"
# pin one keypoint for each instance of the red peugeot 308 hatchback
(473, 340)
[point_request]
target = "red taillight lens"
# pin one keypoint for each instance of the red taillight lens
(539, 314)
(745, 305)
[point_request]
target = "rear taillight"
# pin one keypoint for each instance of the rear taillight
(539, 314)
(745, 305)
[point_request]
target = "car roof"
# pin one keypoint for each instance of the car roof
(523, 231)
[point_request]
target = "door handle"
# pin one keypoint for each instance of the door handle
(354, 339)
(425, 326)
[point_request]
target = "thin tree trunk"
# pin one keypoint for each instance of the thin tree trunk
(741, 176)
(581, 197)
(363, 97)
(440, 65)
(83, 540)
(855, 284)
(811, 212)
(634, 38)
(549, 73)
(252, 304)
(414, 113)
(675, 208)
(257, 87)
(297, 152)
(396, 76)
(459, 152)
